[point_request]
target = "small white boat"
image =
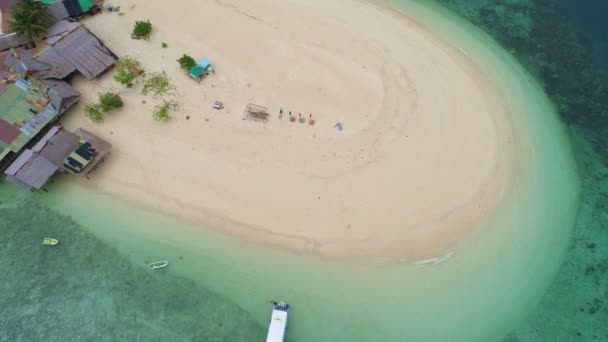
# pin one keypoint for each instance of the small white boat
(159, 264)
(278, 322)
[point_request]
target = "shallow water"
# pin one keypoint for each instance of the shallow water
(96, 285)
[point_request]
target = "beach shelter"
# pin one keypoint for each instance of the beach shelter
(205, 63)
(86, 5)
(196, 72)
(201, 67)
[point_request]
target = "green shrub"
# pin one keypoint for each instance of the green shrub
(142, 28)
(157, 84)
(128, 63)
(161, 113)
(125, 77)
(128, 68)
(164, 45)
(93, 112)
(186, 62)
(109, 101)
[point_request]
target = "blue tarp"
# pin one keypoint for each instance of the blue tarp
(205, 63)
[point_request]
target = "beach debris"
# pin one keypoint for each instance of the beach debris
(281, 113)
(339, 126)
(108, 6)
(218, 105)
(187, 117)
(256, 113)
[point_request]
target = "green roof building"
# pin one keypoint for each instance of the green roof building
(25, 109)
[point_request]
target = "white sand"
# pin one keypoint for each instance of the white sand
(423, 158)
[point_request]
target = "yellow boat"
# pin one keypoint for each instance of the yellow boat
(50, 242)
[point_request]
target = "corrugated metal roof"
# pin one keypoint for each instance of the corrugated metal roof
(45, 139)
(62, 94)
(37, 172)
(61, 67)
(70, 47)
(60, 146)
(8, 133)
(60, 29)
(20, 62)
(85, 52)
(27, 111)
(62, 88)
(20, 162)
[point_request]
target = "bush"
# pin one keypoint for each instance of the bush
(125, 77)
(93, 112)
(157, 84)
(109, 101)
(128, 68)
(186, 62)
(128, 64)
(161, 113)
(164, 45)
(142, 28)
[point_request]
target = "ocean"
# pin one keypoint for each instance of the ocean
(535, 271)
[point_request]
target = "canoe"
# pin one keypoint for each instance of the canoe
(158, 264)
(50, 242)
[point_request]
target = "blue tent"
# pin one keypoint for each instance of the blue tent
(205, 63)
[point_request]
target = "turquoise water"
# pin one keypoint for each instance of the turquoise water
(563, 44)
(96, 285)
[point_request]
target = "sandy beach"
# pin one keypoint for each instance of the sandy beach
(424, 157)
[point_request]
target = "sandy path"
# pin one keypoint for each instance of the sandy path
(423, 158)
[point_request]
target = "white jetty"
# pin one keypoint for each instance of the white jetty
(278, 322)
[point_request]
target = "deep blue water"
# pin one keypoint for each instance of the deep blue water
(591, 18)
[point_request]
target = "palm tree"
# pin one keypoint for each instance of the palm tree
(30, 19)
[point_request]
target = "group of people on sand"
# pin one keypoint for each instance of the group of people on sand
(301, 119)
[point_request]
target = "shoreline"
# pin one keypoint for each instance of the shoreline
(429, 232)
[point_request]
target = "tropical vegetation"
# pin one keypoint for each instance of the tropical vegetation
(142, 28)
(162, 113)
(157, 84)
(186, 62)
(30, 20)
(128, 70)
(107, 101)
